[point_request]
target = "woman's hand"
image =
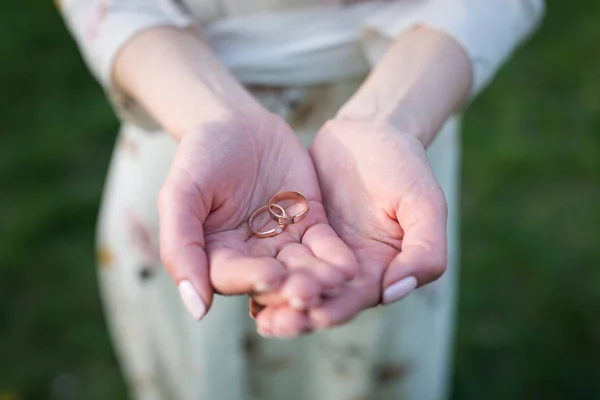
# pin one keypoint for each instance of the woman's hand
(233, 156)
(223, 172)
(384, 201)
(379, 191)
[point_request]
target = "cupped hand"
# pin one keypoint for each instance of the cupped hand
(384, 201)
(222, 172)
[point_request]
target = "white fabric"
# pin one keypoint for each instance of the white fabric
(307, 45)
(488, 30)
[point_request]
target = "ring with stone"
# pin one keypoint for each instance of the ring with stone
(270, 232)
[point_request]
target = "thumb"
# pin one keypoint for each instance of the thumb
(182, 215)
(422, 258)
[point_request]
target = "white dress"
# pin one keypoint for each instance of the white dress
(303, 60)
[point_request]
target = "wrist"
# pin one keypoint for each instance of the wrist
(225, 115)
(178, 80)
(372, 130)
(209, 111)
(407, 121)
(423, 78)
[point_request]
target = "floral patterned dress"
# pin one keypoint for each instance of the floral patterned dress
(302, 59)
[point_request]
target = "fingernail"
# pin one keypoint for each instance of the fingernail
(399, 290)
(192, 300)
(261, 287)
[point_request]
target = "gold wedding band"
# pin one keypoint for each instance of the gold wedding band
(271, 232)
(283, 218)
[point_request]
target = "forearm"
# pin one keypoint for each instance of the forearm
(423, 78)
(175, 75)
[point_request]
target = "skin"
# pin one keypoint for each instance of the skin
(206, 202)
(388, 209)
(232, 157)
(395, 220)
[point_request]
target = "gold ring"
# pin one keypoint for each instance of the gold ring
(283, 218)
(271, 232)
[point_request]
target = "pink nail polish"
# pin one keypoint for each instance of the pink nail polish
(192, 300)
(399, 290)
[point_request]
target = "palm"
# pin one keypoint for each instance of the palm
(383, 200)
(395, 219)
(221, 174)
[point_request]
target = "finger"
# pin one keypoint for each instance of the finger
(274, 298)
(254, 307)
(289, 323)
(182, 244)
(358, 295)
(325, 244)
(265, 322)
(282, 322)
(232, 273)
(424, 248)
(298, 257)
(302, 291)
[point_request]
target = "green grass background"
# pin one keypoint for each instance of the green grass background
(529, 323)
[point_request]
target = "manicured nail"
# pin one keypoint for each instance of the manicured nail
(192, 300)
(399, 290)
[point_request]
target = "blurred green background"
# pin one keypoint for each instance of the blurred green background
(529, 323)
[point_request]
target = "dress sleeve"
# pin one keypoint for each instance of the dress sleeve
(102, 27)
(488, 30)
